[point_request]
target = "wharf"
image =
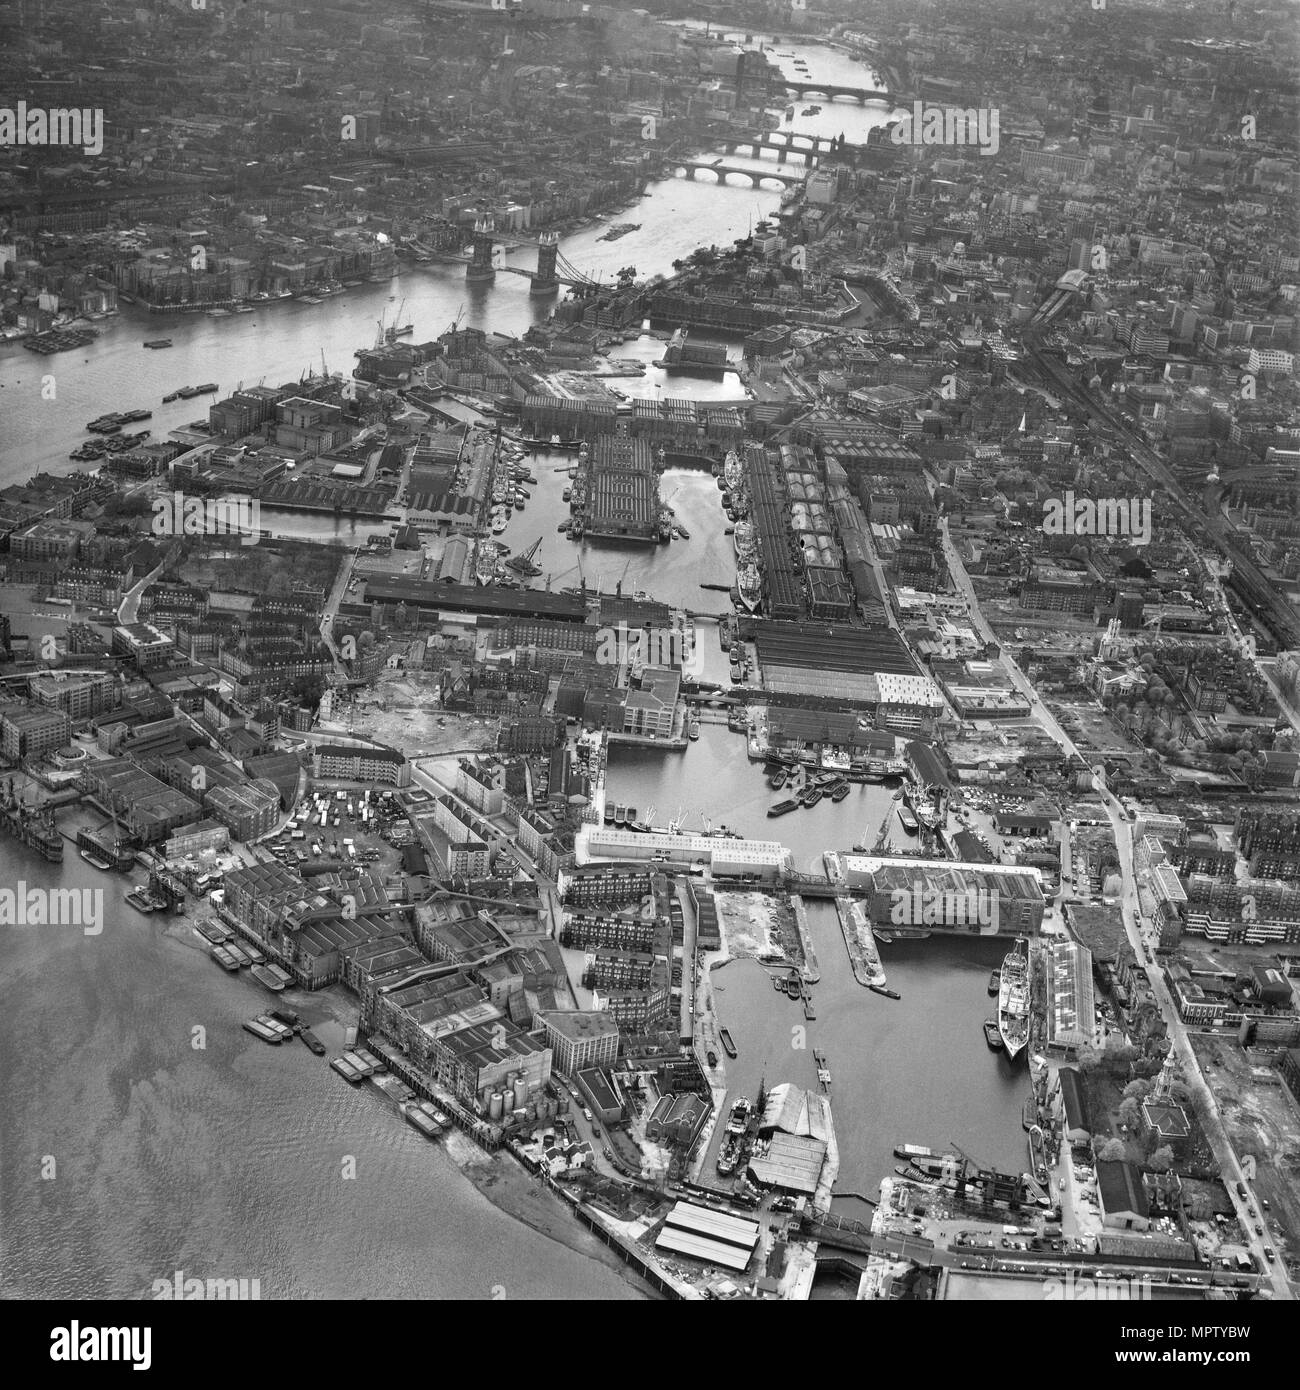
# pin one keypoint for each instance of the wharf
(863, 956)
(811, 970)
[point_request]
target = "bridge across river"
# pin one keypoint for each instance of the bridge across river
(719, 166)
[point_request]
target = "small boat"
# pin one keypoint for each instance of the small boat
(620, 815)
(417, 1119)
(235, 949)
(261, 1030)
(347, 1071)
(211, 931)
(777, 780)
(263, 976)
(991, 1034)
(811, 797)
(609, 813)
(995, 982)
(908, 819)
(693, 729)
(839, 792)
(728, 1046)
(314, 1044)
(884, 992)
(782, 808)
(94, 860)
(223, 958)
(912, 1152)
(157, 342)
(140, 899)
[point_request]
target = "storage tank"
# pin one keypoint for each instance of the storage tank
(521, 1090)
(496, 1106)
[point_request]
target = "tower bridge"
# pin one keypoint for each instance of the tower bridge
(553, 269)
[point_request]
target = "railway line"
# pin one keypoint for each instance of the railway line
(1246, 579)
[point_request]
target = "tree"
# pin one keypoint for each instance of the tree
(1137, 1090)
(1112, 1151)
(1129, 1112)
(1163, 1159)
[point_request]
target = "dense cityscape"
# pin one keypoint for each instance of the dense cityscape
(650, 653)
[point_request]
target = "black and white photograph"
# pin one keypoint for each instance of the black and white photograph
(593, 596)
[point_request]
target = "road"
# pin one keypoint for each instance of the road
(1018, 677)
(1248, 1213)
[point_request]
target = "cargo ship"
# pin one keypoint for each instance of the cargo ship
(34, 828)
(1013, 999)
(749, 586)
(744, 542)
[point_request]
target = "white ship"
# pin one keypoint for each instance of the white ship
(744, 541)
(749, 586)
(1013, 999)
(733, 472)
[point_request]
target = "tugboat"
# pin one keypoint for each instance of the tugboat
(991, 1034)
(995, 983)
(823, 1069)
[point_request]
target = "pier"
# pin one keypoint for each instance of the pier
(863, 955)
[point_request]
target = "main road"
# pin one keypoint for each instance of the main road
(1018, 677)
(1248, 1213)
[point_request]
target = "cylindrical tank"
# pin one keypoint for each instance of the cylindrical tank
(521, 1090)
(496, 1106)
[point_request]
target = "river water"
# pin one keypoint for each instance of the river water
(227, 1160)
(915, 1070)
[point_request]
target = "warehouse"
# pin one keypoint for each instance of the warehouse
(712, 1236)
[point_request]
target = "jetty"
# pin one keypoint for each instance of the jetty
(863, 955)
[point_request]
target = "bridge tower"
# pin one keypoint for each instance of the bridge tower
(547, 279)
(481, 267)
